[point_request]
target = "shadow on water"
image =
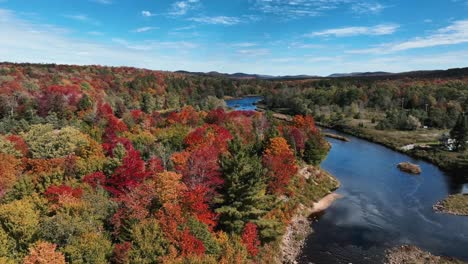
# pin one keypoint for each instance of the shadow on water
(383, 207)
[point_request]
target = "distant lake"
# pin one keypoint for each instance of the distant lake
(244, 104)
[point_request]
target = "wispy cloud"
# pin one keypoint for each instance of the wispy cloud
(147, 13)
(292, 9)
(299, 45)
(144, 29)
(184, 28)
(455, 33)
(104, 2)
(224, 20)
(367, 7)
(180, 8)
(355, 31)
(217, 20)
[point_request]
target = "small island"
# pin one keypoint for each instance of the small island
(456, 204)
(409, 167)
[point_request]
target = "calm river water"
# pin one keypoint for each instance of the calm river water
(382, 207)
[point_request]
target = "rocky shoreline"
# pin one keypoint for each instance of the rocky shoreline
(300, 228)
(456, 204)
(414, 255)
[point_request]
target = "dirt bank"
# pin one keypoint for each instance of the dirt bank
(300, 226)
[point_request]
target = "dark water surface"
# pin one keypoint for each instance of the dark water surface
(382, 207)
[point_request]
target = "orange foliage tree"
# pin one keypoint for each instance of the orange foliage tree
(44, 253)
(281, 164)
(9, 171)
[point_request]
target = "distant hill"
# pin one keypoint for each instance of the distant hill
(240, 75)
(360, 74)
(456, 72)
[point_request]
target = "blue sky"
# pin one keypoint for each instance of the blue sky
(275, 37)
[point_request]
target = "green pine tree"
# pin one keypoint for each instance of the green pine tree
(460, 132)
(243, 196)
(315, 151)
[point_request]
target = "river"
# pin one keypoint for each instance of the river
(383, 207)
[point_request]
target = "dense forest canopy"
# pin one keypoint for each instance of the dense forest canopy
(435, 102)
(124, 165)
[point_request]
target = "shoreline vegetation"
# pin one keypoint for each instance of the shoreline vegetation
(446, 160)
(300, 225)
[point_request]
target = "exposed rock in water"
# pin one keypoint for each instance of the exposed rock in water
(409, 167)
(456, 204)
(411, 254)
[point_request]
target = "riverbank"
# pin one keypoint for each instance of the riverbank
(335, 136)
(395, 140)
(411, 254)
(425, 141)
(316, 197)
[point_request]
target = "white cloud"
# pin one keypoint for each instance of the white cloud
(146, 13)
(144, 29)
(180, 8)
(25, 41)
(355, 31)
(456, 33)
(217, 20)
